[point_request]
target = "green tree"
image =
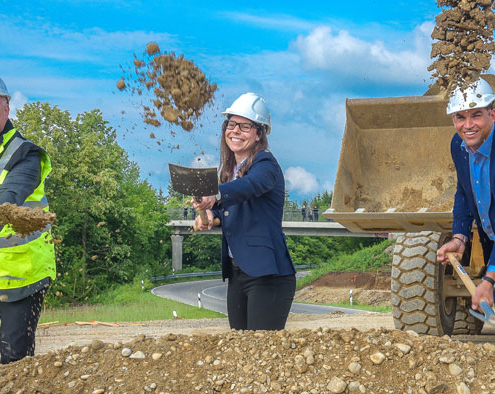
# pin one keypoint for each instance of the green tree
(112, 224)
(202, 252)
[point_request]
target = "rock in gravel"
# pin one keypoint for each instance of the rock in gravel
(377, 358)
(126, 352)
(455, 370)
(337, 385)
(138, 355)
(97, 344)
(403, 347)
(462, 388)
(354, 367)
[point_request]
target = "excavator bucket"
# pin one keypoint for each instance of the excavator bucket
(395, 172)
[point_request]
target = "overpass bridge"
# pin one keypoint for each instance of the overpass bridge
(181, 228)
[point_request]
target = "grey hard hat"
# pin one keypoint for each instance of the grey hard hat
(3, 90)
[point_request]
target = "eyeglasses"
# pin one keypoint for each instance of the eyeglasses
(245, 127)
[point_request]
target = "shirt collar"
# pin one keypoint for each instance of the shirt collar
(238, 166)
(485, 149)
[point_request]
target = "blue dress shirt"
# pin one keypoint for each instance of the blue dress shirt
(479, 164)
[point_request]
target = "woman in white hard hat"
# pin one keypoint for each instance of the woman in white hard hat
(473, 153)
(255, 257)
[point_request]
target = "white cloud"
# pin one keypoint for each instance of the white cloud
(41, 39)
(278, 22)
(298, 179)
(343, 53)
(17, 101)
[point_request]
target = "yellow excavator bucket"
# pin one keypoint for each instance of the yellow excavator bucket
(395, 172)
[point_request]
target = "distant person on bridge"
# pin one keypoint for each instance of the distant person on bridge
(27, 265)
(473, 153)
(255, 257)
(303, 213)
(315, 213)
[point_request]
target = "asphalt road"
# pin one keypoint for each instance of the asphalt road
(213, 294)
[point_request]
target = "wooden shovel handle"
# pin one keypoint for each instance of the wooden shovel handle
(203, 216)
(462, 273)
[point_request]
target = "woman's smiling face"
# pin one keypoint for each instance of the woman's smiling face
(241, 142)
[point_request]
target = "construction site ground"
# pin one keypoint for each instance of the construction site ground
(332, 353)
(368, 288)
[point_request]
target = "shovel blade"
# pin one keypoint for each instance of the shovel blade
(196, 182)
(488, 316)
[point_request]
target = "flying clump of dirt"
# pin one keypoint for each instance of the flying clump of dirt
(179, 89)
(464, 42)
(25, 220)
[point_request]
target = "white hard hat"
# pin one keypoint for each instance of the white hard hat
(478, 95)
(3, 90)
(251, 106)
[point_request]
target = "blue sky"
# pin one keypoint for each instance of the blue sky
(305, 58)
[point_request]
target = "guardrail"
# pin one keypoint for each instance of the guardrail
(212, 273)
(290, 215)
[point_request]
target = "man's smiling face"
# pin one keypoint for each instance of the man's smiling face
(474, 126)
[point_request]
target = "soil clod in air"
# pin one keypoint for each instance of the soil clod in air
(179, 89)
(464, 42)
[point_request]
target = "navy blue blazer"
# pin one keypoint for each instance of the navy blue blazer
(251, 210)
(465, 209)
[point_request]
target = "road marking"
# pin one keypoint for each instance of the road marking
(215, 298)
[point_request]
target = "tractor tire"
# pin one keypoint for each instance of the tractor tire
(465, 323)
(416, 286)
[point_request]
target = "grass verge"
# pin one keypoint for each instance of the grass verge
(127, 303)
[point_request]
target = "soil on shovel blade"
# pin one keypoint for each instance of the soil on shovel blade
(25, 220)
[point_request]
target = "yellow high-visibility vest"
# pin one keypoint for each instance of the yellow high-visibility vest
(27, 260)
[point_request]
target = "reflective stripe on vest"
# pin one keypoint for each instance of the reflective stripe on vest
(9, 152)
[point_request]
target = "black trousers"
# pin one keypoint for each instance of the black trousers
(17, 332)
(259, 303)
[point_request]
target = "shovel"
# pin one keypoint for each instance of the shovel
(489, 315)
(196, 182)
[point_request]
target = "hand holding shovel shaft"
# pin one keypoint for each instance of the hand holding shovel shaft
(462, 273)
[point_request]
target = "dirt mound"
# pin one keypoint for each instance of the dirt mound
(368, 288)
(179, 89)
(464, 46)
(355, 279)
(297, 361)
(25, 220)
(328, 295)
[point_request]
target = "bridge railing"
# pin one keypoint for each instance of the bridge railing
(290, 215)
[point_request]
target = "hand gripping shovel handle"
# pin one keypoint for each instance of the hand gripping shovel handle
(216, 223)
(204, 219)
(489, 315)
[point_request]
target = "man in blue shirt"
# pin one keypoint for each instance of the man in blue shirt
(473, 155)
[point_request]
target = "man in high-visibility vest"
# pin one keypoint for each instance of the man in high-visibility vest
(27, 264)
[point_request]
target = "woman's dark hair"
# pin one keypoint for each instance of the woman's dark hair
(227, 157)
